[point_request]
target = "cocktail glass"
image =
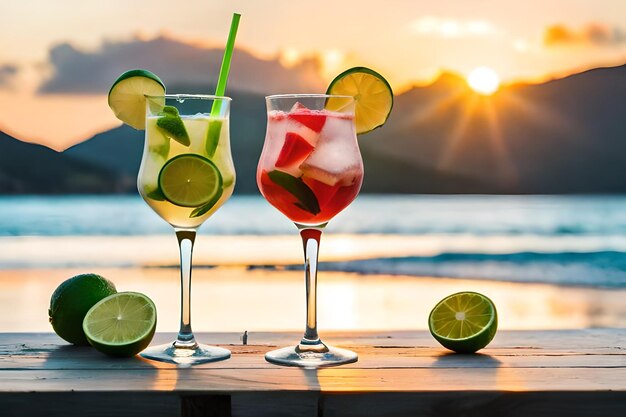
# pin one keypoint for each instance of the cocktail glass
(186, 174)
(310, 169)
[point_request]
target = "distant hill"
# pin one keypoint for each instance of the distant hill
(121, 149)
(563, 136)
(26, 168)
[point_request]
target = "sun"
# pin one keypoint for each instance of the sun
(484, 80)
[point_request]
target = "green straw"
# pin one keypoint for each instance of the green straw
(225, 69)
(215, 127)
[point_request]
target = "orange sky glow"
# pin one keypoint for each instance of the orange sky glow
(409, 42)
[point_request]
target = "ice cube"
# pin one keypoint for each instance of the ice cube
(274, 140)
(298, 106)
(336, 158)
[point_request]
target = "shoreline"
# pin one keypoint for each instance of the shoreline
(238, 299)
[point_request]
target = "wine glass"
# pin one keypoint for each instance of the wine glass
(186, 174)
(310, 169)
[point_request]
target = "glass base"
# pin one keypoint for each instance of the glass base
(184, 356)
(294, 356)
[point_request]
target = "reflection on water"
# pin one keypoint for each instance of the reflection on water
(236, 299)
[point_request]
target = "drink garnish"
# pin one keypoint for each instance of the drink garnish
(294, 150)
(190, 180)
(297, 188)
(313, 120)
(172, 125)
(127, 96)
(372, 94)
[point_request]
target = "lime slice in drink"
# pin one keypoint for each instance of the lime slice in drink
(127, 96)
(464, 322)
(372, 94)
(190, 180)
(122, 324)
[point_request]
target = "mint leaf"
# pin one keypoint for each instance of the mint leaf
(296, 187)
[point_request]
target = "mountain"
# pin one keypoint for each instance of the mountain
(121, 149)
(35, 169)
(562, 136)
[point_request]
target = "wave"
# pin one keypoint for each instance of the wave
(606, 269)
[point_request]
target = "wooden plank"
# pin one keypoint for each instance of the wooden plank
(572, 373)
(251, 357)
(325, 380)
(598, 348)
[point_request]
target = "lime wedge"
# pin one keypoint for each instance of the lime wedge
(372, 94)
(122, 324)
(464, 322)
(190, 180)
(173, 126)
(127, 96)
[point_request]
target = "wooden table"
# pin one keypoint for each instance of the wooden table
(539, 373)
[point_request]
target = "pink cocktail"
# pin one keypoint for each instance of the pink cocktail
(310, 170)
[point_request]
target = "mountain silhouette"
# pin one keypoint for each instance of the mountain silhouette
(121, 149)
(27, 168)
(563, 136)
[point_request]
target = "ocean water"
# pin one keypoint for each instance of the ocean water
(573, 240)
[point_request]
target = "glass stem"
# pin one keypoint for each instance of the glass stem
(311, 242)
(186, 239)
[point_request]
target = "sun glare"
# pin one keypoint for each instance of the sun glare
(484, 80)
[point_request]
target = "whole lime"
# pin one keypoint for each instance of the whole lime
(71, 301)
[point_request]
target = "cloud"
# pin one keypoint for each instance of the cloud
(7, 72)
(451, 28)
(177, 63)
(590, 34)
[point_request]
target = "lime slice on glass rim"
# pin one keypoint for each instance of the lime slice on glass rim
(190, 180)
(127, 96)
(464, 322)
(122, 324)
(372, 94)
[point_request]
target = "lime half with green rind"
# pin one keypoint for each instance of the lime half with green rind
(464, 322)
(127, 96)
(372, 94)
(122, 324)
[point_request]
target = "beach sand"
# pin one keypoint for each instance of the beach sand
(238, 298)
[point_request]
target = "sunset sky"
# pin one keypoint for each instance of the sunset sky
(57, 58)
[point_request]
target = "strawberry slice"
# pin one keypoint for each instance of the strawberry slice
(295, 149)
(314, 121)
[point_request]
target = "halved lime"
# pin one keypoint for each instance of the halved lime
(122, 324)
(372, 94)
(127, 96)
(464, 322)
(190, 180)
